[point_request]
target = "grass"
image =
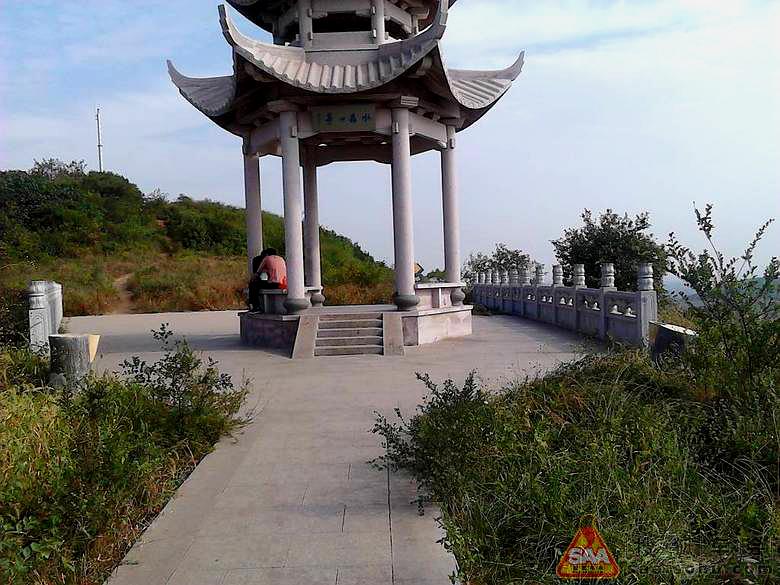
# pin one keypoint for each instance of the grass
(184, 281)
(680, 480)
(85, 468)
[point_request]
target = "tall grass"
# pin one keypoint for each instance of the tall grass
(83, 469)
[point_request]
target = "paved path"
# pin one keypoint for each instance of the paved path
(291, 499)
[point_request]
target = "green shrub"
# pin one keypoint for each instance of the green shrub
(83, 469)
(678, 463)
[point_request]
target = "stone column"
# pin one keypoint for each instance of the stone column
(254, 217)
(403, 231)
(451, 214)
(293, 229)
(525, 276)
(311, 230)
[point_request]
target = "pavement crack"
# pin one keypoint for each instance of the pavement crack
(343, 518)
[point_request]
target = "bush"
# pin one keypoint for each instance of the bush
(621, 240)
(608, 436)
(84, 469)
(678, 463)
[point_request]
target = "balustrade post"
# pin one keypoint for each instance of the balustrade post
(579, 276)
(647, 303)
(607, 285)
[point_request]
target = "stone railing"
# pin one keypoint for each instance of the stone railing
(45, 312)
(604, 312)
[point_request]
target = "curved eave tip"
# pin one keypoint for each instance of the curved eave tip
(173, 73)
(516, 68)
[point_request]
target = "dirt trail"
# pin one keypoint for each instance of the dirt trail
(125, 305)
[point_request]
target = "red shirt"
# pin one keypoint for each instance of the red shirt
(276, 268)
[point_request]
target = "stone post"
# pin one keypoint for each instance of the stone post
(70, 357)
(557, 275)
(494, 278)
(481, 278)
(608, 275)
(254, 216)
(607, 285)
(539, 280)
(293, 229)
(39, 316)
(514, 276)
(311, 230)
(579, 276)
(525, 276)
(451, 215)
(645, 277)
(504, 277)
(403, 232)
(647, 302)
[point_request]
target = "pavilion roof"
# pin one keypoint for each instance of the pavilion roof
(415, 60)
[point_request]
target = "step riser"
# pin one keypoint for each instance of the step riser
(345, 351)
(350, 316)
(368, 332)
(349, 341)
(360, 324)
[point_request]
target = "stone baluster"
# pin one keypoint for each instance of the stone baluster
(539, 280)
(525, 276)
(645, 277)
(607, 275)
(579, 275)
(514, 276)
(557, 275)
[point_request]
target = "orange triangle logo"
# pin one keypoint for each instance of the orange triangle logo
(587, 557)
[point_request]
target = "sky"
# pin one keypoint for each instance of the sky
(632, 105)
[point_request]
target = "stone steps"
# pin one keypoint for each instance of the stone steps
(350, 322)
(350, 334)
(360, 332)
(347, 350)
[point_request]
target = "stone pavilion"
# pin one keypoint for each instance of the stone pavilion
(347, 80)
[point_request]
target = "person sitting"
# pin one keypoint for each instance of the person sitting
(270, 273)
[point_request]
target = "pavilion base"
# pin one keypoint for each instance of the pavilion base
(297, 335)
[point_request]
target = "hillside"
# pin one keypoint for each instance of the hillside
(118, 250)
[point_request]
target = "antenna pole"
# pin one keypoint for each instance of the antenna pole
(99, 142)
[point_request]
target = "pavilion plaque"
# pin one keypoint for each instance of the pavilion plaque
(355, 118)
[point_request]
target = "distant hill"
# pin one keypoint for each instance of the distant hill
(58, 221)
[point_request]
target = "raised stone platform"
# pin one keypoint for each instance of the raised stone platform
(354, 330)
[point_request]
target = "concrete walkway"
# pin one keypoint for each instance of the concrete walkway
(291, 500)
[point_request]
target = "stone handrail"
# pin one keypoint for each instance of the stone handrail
(45, 312)
(603, 312)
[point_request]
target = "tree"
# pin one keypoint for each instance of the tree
(53, 168)
(622, 240)
(502, 258)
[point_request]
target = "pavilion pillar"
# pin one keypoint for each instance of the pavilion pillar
(380, 29)
(293, 228)
(254, 217)
(311, 230)
(451, 215)
(403, 229)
